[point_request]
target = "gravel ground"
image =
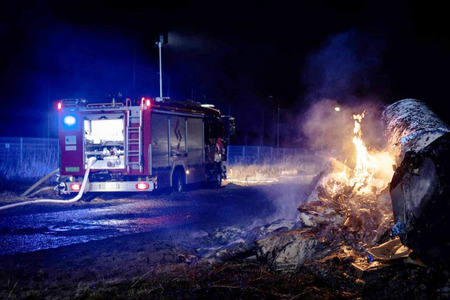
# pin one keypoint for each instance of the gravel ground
(168, 263)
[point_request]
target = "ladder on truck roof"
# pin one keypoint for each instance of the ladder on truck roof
(133, 154)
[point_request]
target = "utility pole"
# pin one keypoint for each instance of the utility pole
(159, 43)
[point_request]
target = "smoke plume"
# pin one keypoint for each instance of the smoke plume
(344, 77)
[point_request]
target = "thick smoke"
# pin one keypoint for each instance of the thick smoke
(346, 73)
(329, 127)
(344, 77)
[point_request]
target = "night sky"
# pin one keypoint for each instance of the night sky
(246, 57)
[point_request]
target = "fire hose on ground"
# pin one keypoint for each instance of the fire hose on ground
(74, 199)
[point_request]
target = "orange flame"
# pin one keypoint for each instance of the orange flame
(368, 165)
(365, 164)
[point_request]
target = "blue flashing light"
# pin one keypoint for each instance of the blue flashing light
(69, 120)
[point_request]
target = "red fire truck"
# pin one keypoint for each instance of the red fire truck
(141, 145)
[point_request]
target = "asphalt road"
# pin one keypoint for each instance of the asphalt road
(199, 211)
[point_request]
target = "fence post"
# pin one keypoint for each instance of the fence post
(271, 154)
(257, 155)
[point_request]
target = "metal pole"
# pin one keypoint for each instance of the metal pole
(160, 67)
(257, 155)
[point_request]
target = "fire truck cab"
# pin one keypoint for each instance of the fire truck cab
(140, 145)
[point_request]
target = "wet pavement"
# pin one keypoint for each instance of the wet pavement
(31, 228)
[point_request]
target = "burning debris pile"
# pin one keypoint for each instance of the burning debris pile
(352, 205)
(360, 208)
(348, 207)
(355, 217)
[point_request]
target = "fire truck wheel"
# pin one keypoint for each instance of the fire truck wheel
(178, 182)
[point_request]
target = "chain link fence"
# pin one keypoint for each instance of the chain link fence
(27, 158)
(257, 155)
(31, 158)
(254, 164)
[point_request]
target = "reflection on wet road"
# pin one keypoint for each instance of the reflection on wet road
(24, 233)
(36, 228)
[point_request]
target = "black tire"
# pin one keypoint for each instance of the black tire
(178, 182)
